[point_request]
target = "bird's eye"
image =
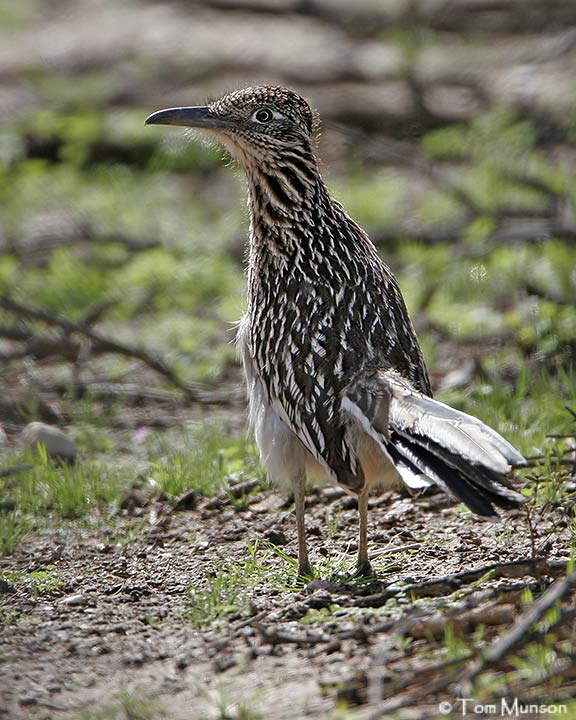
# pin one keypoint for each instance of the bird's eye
(264, 115)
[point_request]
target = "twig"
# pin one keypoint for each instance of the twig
(275, 637)
(449, 583)
(234, 492)
(101, 343)
(397, 549)
(249, 621)
(519, 635)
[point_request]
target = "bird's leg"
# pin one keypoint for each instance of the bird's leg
(364, 567)
(304, 567)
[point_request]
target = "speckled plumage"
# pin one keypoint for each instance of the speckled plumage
(336, 380)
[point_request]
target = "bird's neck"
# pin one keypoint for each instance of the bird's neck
(286, 197)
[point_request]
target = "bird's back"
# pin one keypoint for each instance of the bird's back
(324, 312)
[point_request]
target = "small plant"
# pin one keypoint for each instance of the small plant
(230, 589)
(131, 705)
(8, 616)
(333, 521)
(226, 704)
(14, 527)
(456, 646)
(135, 705)
(403, 643)
(211, 604)
(538, 661)
(46, 582)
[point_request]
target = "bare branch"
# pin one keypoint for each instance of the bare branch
(100, 343)
(520, 634)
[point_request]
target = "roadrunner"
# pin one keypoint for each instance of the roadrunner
(336, 381)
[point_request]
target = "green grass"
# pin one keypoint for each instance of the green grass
(207, 463)
(131, 704)
(205, 460)
(45, 581)
(229, 590)
(63, 490)
(13, 529)
(526, 412)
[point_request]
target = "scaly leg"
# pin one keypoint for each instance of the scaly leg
(364, 567)
(304, 567)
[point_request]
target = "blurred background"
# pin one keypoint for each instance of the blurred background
(448, 131)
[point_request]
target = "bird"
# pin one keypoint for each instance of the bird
(337, 386)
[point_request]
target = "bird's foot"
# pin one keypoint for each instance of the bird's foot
(305, 571)
(364, 570)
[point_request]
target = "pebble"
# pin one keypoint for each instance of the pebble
(276, 537)
(57, 443)
(74, 600)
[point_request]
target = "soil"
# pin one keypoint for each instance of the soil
(117, 628)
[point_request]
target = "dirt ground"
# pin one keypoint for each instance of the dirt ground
(116, 629)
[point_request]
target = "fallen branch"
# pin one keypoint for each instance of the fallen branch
(521, 634)
(99, 343)
(447, 584)
(518, 636)
(233, 492)
(272, 636)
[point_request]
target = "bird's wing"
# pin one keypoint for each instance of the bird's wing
(429, 441)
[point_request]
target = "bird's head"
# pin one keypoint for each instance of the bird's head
(255, 124)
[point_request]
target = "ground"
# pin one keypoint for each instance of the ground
(180, 613)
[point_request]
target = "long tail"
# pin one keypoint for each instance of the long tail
(430, 442)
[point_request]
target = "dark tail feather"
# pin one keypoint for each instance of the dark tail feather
(480, 488)
(429, 441)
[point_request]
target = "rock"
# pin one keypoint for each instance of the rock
(57, 443)
(74, 600)
(188, 501)
(5, 587)
(276, 537)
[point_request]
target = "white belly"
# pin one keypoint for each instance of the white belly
(282, 453)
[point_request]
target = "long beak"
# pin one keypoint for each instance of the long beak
(198, 116)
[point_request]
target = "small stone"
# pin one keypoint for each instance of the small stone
(320, 599)
(188, 501)
(74, 600)
(5, 587)
(57, 443)
(276, 537)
